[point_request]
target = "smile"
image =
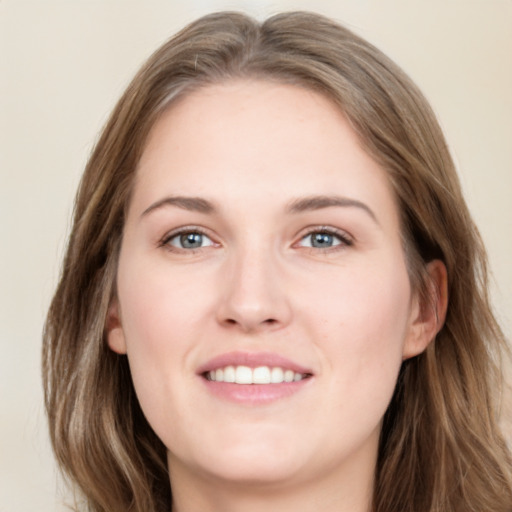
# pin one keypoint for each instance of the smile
(259, 375)
(255, 378)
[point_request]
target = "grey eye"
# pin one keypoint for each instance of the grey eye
(321, 240)
(190, 240)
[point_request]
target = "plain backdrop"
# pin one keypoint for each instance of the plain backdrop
(64, 64)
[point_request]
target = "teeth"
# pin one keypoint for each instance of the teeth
(262, 375)
(288, 376)
(259, 375)
(229, 374)
(243, 375)
(277, 375)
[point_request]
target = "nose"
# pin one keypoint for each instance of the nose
(253, 297)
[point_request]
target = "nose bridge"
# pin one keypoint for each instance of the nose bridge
(254, 297)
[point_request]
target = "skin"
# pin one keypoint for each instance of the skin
(346, 312)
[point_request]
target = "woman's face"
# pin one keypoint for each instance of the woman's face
(263, 244)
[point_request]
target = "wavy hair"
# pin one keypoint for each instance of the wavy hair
(440, 447)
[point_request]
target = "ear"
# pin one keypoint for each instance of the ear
(114, 329)
(428, 312)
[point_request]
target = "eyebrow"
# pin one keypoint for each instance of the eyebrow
(194, 204)
(303, 204)
(318, 202)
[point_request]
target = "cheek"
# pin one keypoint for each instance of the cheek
(368, 306)
(362, 325)
(160, 304)
(163, 319)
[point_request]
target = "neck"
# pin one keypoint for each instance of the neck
(334, 491)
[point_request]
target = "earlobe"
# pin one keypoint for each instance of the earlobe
(114, 329)
(429, 312)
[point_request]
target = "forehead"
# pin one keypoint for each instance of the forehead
(253, 138)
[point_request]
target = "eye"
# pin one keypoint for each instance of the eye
(188, 240)
(324, 239)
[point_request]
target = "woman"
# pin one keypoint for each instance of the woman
(273, 293)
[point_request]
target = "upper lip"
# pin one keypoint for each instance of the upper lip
(252, 360)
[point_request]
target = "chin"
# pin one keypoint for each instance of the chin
(248, 461)
(262, 471)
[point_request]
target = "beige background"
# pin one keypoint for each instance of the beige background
(64, 63)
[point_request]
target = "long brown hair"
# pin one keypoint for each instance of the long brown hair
(440, 448)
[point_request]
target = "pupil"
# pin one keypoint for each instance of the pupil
(191, 240)
(322, 240)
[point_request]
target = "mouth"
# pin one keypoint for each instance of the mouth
(260, 375)
(253, 378)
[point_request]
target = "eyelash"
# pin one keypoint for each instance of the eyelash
(186, 230)
(344, 239)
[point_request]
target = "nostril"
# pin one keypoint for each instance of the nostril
(268, 322)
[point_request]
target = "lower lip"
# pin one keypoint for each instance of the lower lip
(255, 394)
